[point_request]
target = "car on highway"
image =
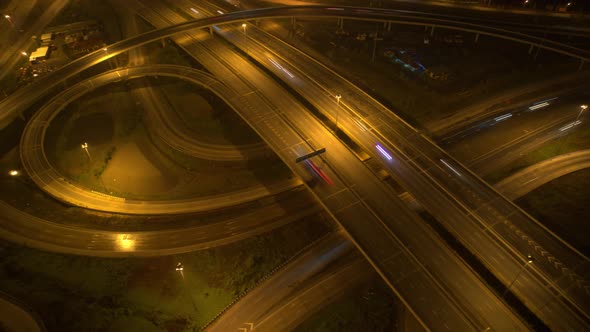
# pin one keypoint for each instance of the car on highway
(318, 172)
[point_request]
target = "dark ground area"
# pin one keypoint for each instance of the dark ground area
(76, 293)
(563, 206)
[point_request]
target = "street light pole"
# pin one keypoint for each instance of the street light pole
(106, 50)
(582, 109)
(245, 37)
(529, 260)
(85, 147)
(9, 19)
(337, 109)
(375, 47)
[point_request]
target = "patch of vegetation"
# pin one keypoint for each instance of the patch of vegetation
(562, 206)
(578, 139)
(76, 293)
(371, 307)
(108, 156)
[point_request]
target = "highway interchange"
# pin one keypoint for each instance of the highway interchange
(48, 179)
(322, 98)
(375, 193)
(470, 304)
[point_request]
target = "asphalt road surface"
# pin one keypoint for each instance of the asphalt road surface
(534, 176)
(448, 190)
(51, 181)
(14, 317)
(93, 58)
(351, 215)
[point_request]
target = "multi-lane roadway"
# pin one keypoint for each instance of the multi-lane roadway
(534, 176)
(369, 232)
(37, 165)
(454, 195)
(340, 154)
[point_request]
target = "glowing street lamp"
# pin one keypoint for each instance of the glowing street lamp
(529, 260)
(14, 172)
(582, 109)
(24, 53)
(245, 37)
(85, 147)
(9, 19)
(180, 268)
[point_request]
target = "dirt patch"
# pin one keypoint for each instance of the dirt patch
(131, 170)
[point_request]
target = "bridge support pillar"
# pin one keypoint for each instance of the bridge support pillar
(531, 49)
(476, 37)
(387, 26)
(211, 31)
(581, 64)
(432, 31)
(536, 53)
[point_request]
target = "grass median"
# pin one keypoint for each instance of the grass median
(76, 293)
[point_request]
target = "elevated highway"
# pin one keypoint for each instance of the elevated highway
(483, 220)
(534, 176)
(23, 228)
(14, 106)
(170, 129)
(17, 102)
(41, 171)
(366, 209)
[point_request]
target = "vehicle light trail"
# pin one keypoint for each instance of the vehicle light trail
(383, 152)
(276, 64)
(537, 106)
(360, 124)
(571, 125)
(450, 167)
(503, 117)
